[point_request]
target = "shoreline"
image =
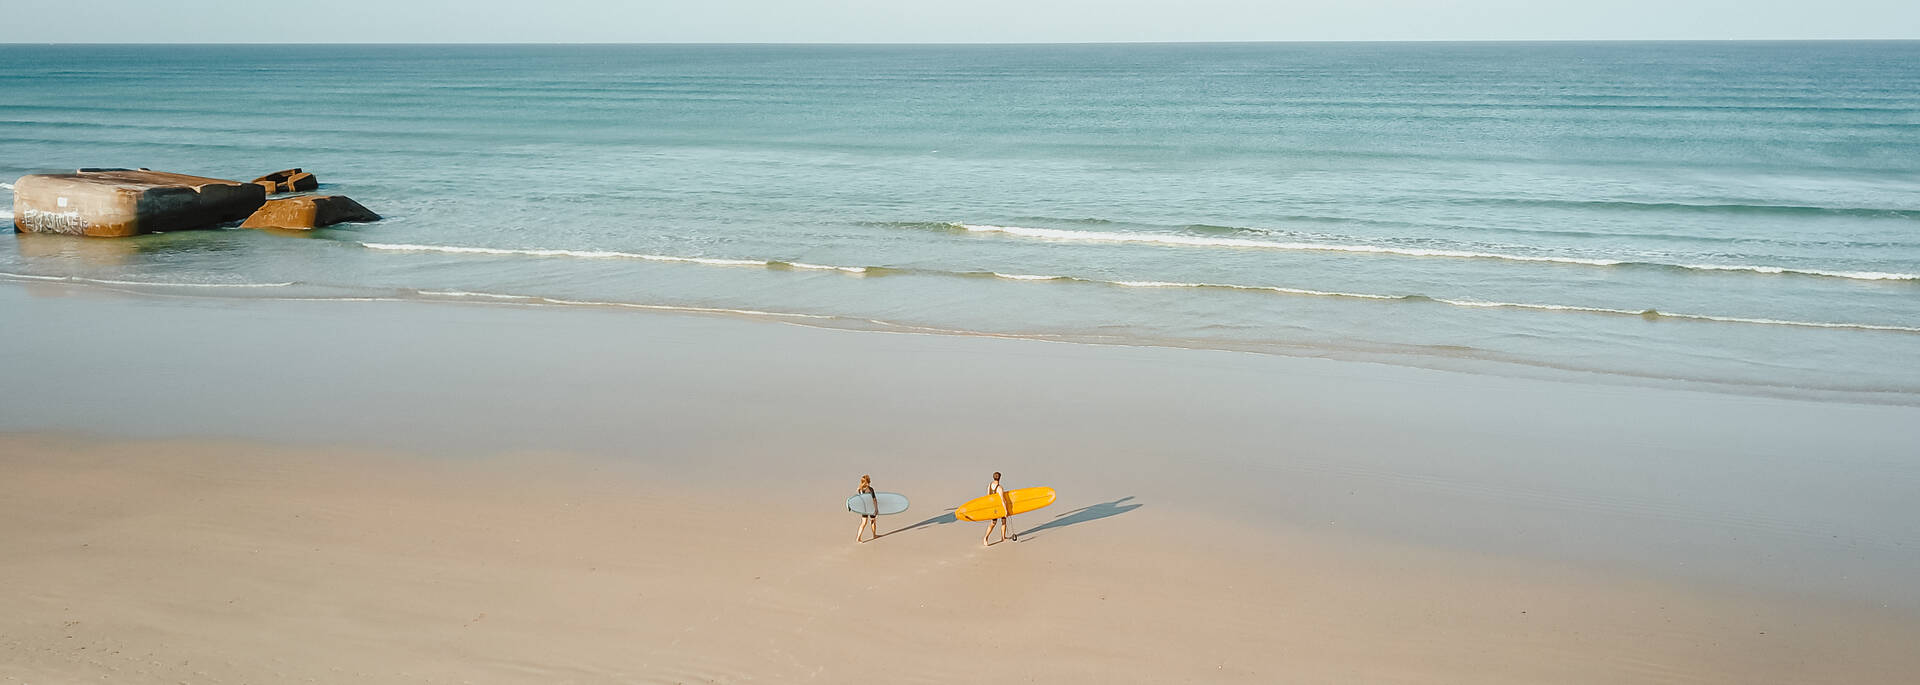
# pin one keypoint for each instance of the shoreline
(1256, 517)
(1783, 494)
(1425, 358)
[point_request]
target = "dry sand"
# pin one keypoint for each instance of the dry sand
(229, 562)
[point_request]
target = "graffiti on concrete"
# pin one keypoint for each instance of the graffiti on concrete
(36, 221)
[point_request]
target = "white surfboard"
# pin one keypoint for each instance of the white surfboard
(890, 503)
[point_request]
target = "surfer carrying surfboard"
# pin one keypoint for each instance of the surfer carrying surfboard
(999, 504)
(866, 488)
(995, 489)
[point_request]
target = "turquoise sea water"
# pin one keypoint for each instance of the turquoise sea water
(1742, 216)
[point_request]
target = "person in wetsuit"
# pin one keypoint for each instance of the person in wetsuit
(866, 488)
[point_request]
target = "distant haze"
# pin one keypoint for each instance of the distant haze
(921, 21)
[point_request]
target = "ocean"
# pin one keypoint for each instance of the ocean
(1737, 217)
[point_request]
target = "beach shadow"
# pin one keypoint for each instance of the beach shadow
(937, 520)
(1092, 512)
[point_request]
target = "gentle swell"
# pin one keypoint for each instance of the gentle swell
(1649, 314)
(1208, 241)
(1723, 208)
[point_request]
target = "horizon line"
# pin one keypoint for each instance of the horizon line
(988, 43)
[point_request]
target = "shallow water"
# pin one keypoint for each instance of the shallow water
(1744, 215)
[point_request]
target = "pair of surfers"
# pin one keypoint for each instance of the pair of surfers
(873, 522)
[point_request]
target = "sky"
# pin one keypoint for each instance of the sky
(945, 21)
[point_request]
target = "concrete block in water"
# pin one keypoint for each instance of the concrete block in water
(312, 211)
(288, 181)
(124, 202)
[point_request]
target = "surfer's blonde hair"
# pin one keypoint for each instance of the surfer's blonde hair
(866, 480)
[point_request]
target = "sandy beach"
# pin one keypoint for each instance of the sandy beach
(430, 492)
(208, 561)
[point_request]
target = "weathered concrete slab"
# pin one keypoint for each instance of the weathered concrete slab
(288, 181)
(312, 211)
(124, 202)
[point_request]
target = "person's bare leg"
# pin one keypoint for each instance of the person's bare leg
(983, 538)
(860, 535)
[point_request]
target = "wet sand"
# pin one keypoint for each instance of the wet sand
(210, 490)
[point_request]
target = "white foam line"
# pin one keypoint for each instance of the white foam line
(463, 293)
(1696, 317)
(1199, 241)
(6, 186)
(342, 299)
(584, 254)
(1126, 284)
(536, 299)
(189, 285)
(1856, 275)
(1272, 288)
(601, 254)
(710, 310)
(825, 267)
(103, 281)
(1521, 305)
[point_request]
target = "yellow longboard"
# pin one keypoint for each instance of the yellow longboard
(1004, 504)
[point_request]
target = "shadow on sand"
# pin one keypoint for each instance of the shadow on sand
(1092, 512)
(937, 520)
